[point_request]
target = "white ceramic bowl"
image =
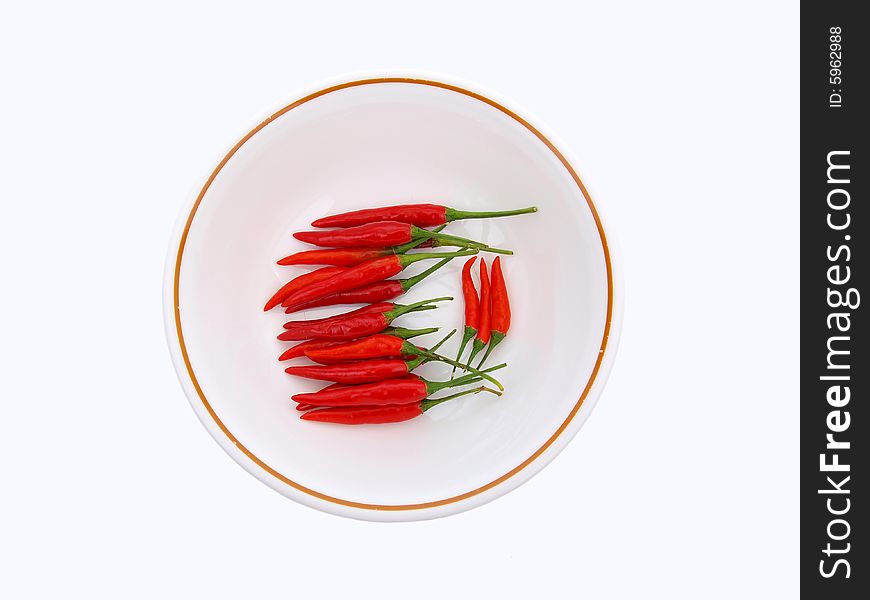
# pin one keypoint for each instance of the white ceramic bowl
(373, 142)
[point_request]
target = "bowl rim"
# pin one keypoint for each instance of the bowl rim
(397, 512)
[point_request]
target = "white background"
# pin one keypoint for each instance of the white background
(683, 120)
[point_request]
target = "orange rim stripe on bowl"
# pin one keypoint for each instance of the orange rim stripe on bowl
(422, 505)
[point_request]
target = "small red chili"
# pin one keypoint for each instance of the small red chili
(398, 333)
(422, 215)
(358, 372)
(380, 345)
(303, 406)
(363, 274)
(379, 235)
(301, 282)
(472, 307)
(384, 347)
(340, 257)
(348, 257)
(501, 309)
(376, 415)
(355, 324)
(367, 371)
(299, 349)
(484, 327)
(377, 307)
(373, 292)
(404, 390)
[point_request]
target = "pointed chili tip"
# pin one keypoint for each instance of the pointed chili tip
(271, 303)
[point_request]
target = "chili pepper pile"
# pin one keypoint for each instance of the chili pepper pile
(368, 360)
(487, 318)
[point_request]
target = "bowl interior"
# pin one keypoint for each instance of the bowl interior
(373, 145)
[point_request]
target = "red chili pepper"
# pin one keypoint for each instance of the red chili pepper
(370, 308)
(380, 345)
(485, 324)
(422, 215)
(501, 309)
(331, 361)
(348, 257)
(472, 307)
(379, 235)
(334, 386)
(376, 415)
(373, 292)
(340, 257)
(404, 390)
(365, 415)
(398, 333)
(374, 309)
(354, 324)
(357, 372)
(299, 349)
(383, 347)
(301, 282)
(363, 274)
(365, 371)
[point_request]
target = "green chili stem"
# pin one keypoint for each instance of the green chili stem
(469, 333)
(485, 248)
(478, 379)
(434, 386)
(419, 308)
(414, 243)
(400, 309)
(444, 339)
(431, 355)
(407, 259)
(497, 250)
(412, 281)
(413, 364)
(495, 338)
(417, 232)
(456, 215)
(401, 332)
(476, 347)
(427, 404)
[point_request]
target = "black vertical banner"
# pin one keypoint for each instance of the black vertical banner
(835, 369)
